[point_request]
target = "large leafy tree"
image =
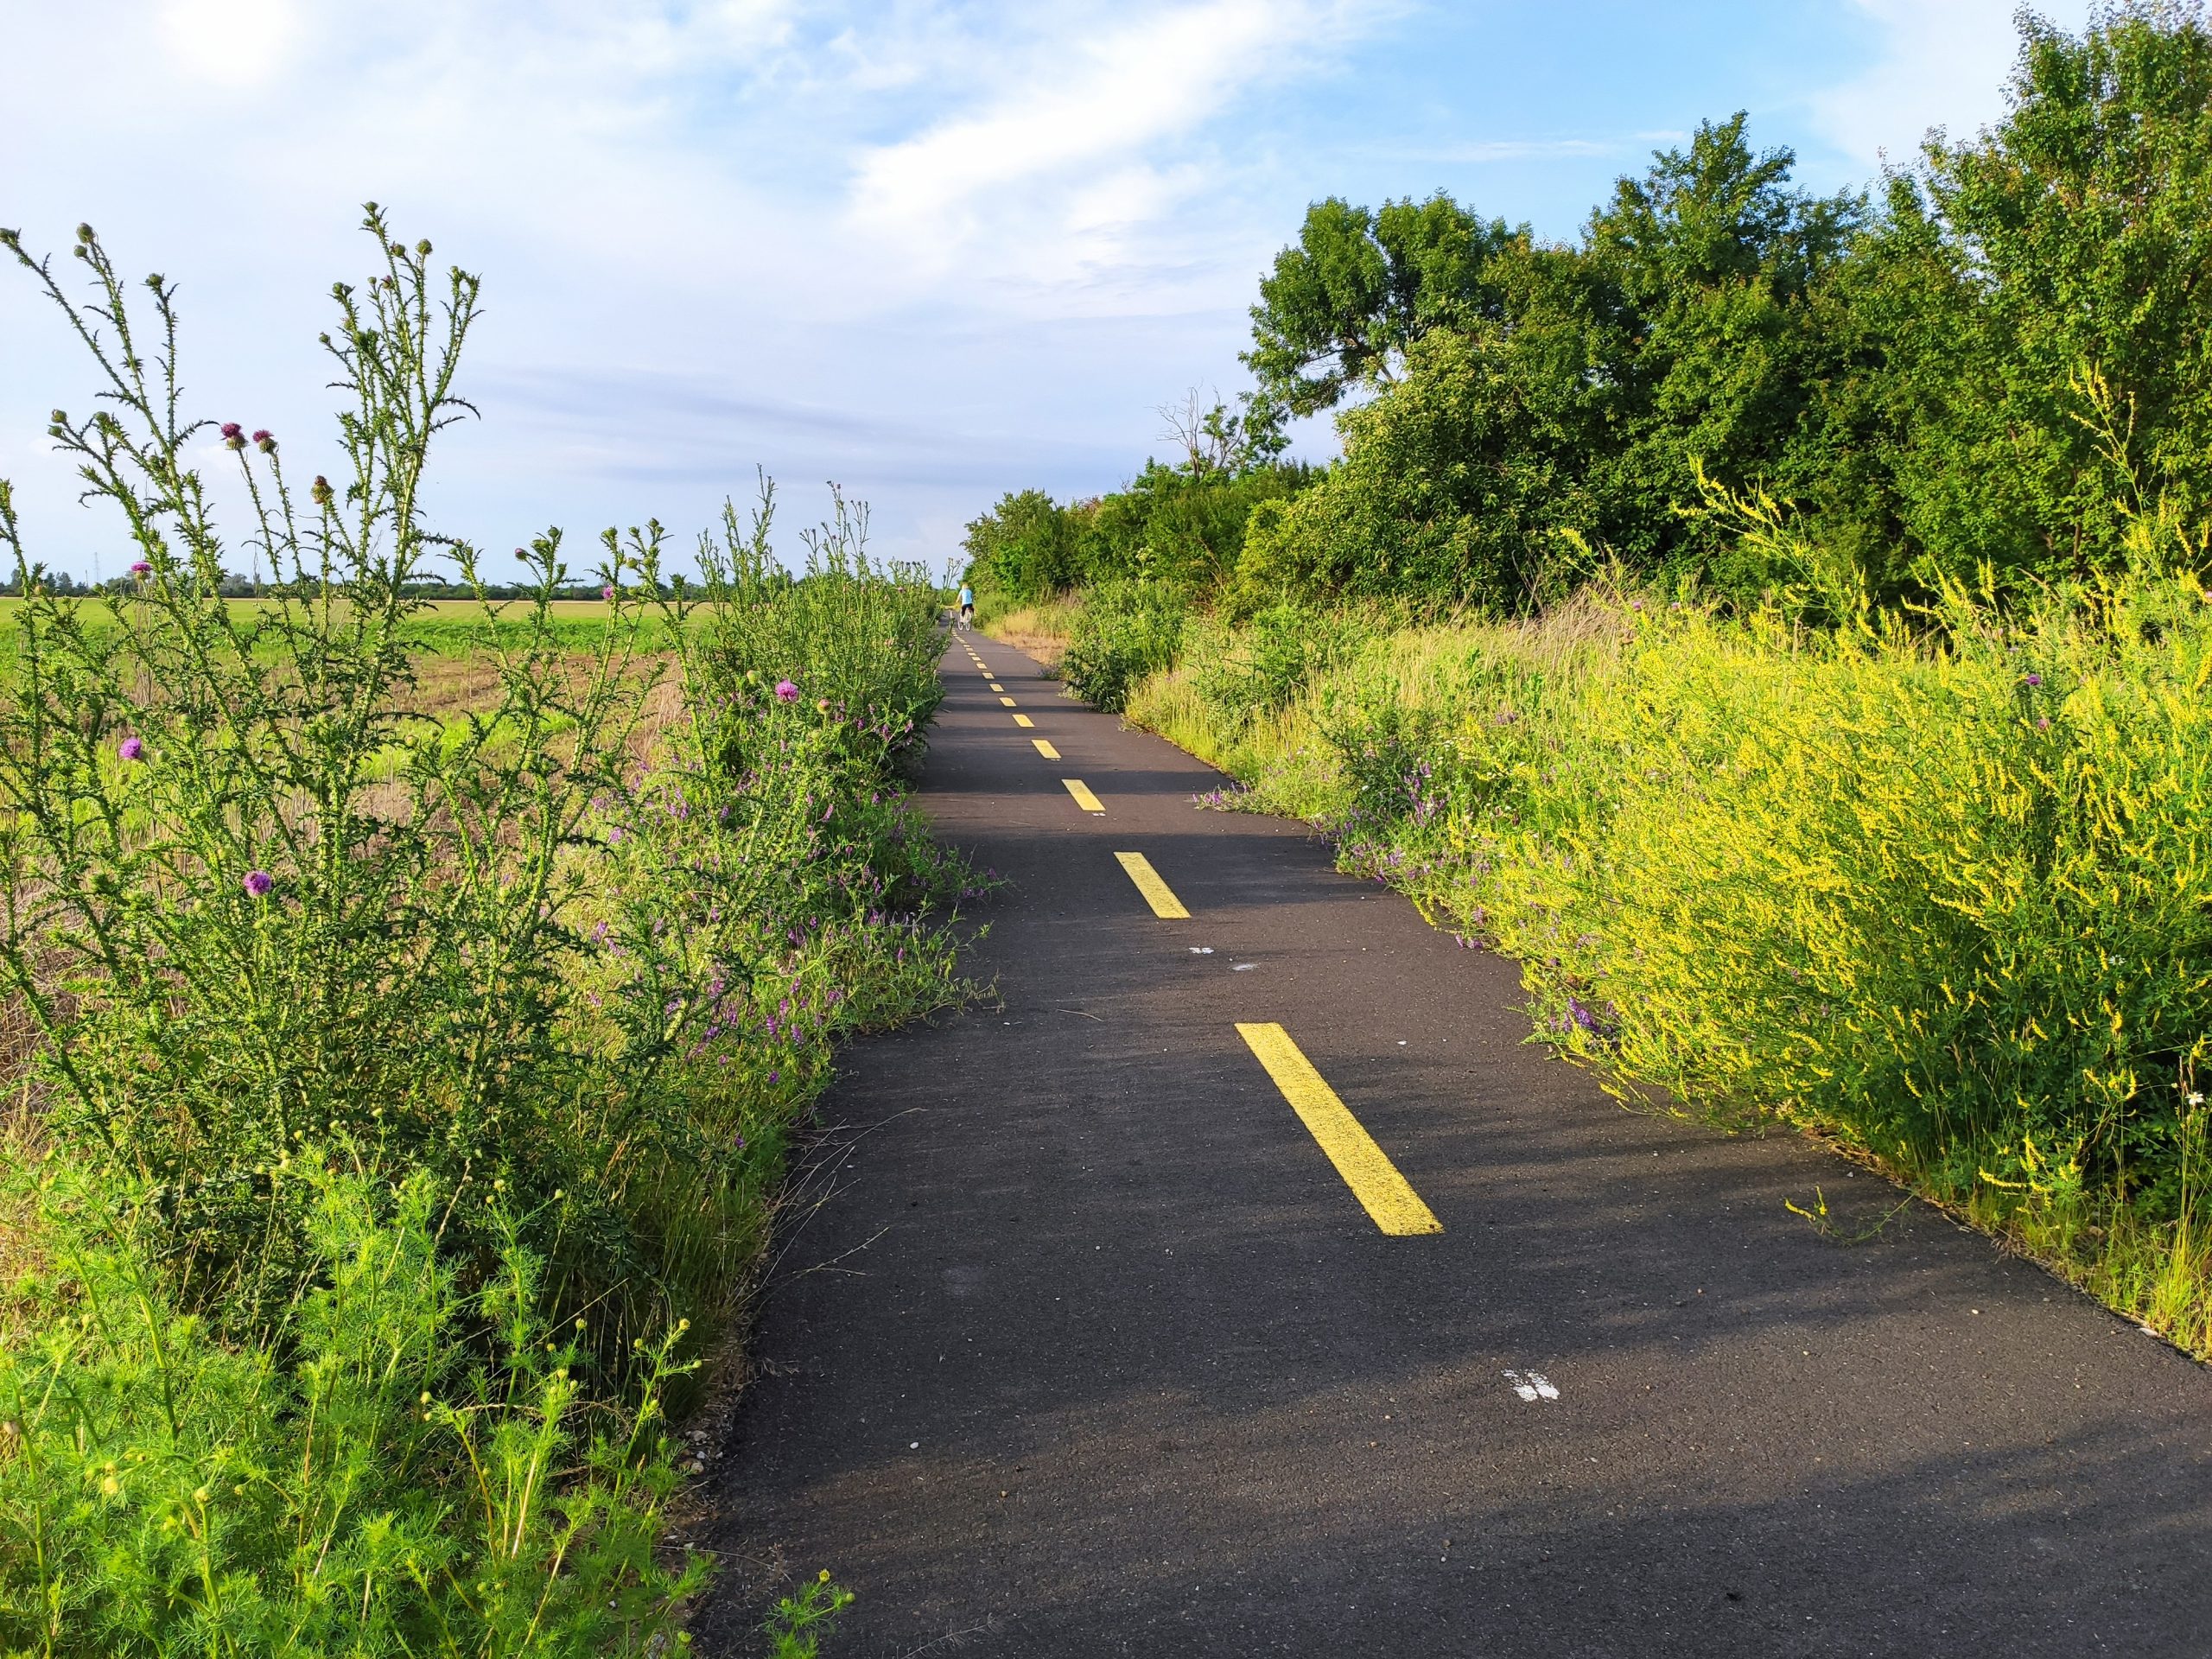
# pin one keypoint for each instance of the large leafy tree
(1023, 548)
(1568, 399)
(1339, 309)
(2051, 293)
(1701, 280)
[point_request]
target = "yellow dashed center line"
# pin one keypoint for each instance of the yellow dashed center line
(1046, 748)
(995, 686)
(1157, 892)
(1084, 797)
(1007, 701)
(1373, 1180)
(1023, 720)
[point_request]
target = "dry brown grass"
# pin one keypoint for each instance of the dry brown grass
(1042, 630)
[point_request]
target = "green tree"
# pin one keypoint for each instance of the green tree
(1024, 548)
(1339, 309)
(1707, 347)
(2057, 371)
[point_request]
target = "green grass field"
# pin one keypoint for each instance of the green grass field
(444, 627)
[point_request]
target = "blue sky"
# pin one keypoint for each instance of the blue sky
(933, 251)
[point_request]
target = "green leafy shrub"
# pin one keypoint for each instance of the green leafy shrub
(1125, 631)
(412, 1469)
(1257, 668)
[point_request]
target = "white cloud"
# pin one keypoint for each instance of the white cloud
(1939, 63)
(1069, 136)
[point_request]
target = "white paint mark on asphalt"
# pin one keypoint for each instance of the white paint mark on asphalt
(1201, 949)
(1243, 967)
(1533, 1387)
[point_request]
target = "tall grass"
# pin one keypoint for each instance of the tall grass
(1941, 891)
(1040, 629)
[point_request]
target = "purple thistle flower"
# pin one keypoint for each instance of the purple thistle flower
(787, 692)
(2032, 679)
(231, 428)
(608, 592)
(142, 568)
(259, 882)
(130, 749)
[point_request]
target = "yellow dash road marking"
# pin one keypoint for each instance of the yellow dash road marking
(1023, 720)
(1045, 749)
(1007, 701)
(1084, 797)
(995, 686)
(1157, 892)
(1373, 1180)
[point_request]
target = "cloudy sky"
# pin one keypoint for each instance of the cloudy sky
(934, 252)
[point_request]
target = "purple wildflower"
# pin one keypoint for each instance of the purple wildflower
(130, 749)
(2032, 679)
(142, 568)
(608, 592)
(233, 435)
(1581, 1014)
(787, 692)
(259, 882)
(265, 441)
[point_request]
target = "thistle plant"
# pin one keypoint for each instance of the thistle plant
(251, 896)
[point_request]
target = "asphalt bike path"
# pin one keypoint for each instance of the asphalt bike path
(1249, 1284)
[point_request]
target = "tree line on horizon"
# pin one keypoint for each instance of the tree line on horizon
(1990, 366)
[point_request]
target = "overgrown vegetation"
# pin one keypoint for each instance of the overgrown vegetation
(1849, 760)
(411, 1077)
